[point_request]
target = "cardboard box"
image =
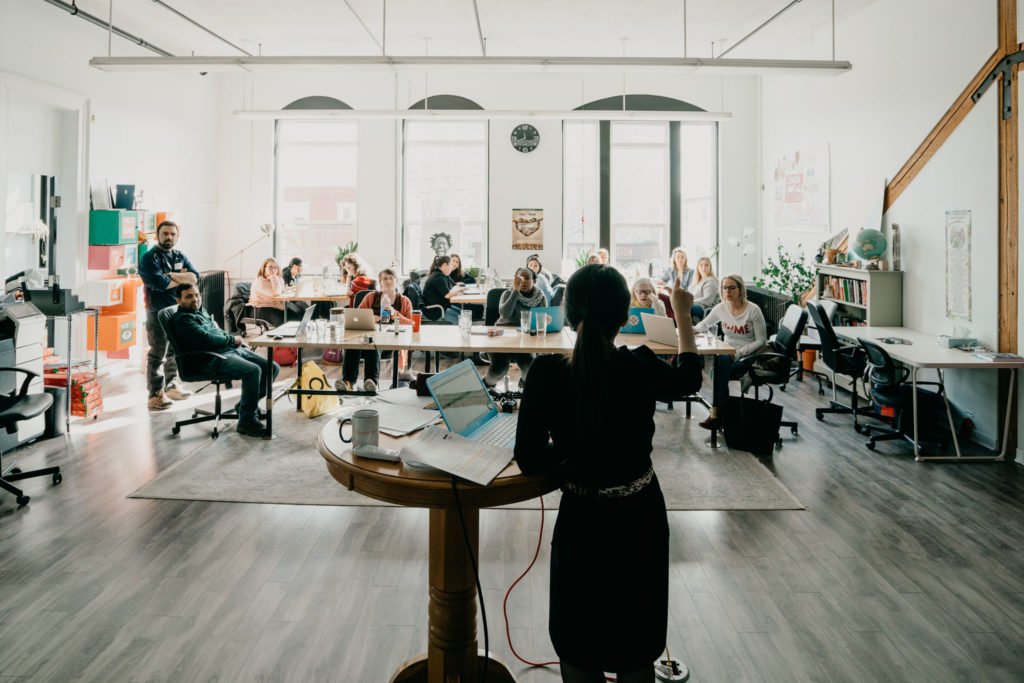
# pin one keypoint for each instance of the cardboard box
(106, 256)
(129, 297)
(117, 331)
(113, 227)
(108, 292)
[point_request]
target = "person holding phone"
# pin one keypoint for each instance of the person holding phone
(609, 553)
(521, 296)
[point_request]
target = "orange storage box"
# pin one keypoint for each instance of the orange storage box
(117, 331)
(129, 299)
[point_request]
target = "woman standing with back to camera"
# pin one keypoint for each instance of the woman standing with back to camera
(609, 552)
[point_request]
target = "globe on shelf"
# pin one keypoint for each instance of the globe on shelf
(870, 244)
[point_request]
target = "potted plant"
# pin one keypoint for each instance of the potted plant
(788, 273)
(345, 251)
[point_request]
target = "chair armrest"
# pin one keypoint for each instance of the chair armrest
(940, 385)
(9, 400)
(766, 354)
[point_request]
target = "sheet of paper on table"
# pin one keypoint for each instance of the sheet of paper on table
(395, 419)
(437, 447)
(404, 396)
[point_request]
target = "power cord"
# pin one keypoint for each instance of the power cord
(476, 577)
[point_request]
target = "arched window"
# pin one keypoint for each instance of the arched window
(315, 184)
(445, 186)
(640, 188)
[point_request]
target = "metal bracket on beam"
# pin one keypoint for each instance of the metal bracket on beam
(1003, 70)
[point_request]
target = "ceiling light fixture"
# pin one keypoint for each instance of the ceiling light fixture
(803, 67)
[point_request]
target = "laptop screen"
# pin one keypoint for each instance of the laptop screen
(461, 396)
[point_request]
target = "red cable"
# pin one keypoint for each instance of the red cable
(504, 604)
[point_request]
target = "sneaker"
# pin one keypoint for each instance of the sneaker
(250, 429)
(370, 385)
(342, 385)
(176, 393)
(158, 402)
(406, 375)
(707, 424)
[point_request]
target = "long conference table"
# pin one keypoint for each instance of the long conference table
(448, 338)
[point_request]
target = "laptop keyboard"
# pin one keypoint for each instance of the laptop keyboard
(499, 432)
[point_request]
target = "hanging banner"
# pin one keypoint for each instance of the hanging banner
(528, 229)
(958, 265)
(799, 196)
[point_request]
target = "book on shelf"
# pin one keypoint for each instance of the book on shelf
(846, 289)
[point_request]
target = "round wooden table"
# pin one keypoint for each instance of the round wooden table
(452, 653)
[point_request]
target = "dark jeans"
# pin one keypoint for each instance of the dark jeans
(726, 369)
(249, 367)
(500, 363)
(273, 316)
(350, 368)
(696, 313)
(161, 369)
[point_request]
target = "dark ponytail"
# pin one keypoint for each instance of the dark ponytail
(596, 306)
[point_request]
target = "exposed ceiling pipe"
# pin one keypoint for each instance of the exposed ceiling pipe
(363, 24)
(744, 38)
(479, 31)
(200, 26)
(73, 10)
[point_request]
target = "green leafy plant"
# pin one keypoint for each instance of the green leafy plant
(787, 273)
(473, 271)
(345, 251)
(582, 258)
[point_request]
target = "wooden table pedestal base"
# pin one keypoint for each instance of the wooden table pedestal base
(414, 670)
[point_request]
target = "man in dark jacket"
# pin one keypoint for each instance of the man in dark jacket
(195, 330)
(162, 269)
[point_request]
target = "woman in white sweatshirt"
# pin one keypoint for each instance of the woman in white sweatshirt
(743, 328)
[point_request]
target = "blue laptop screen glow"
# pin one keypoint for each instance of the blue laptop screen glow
(461, 397)
(635, 323)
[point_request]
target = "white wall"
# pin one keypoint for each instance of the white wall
(153, 130)
(903, 80)
(516, 180)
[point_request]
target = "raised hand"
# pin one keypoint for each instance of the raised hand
(682, 300)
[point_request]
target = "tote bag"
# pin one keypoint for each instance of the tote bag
(314, 405)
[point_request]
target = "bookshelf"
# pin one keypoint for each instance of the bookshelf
(865, 297)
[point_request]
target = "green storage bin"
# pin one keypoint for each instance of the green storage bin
(113, 227)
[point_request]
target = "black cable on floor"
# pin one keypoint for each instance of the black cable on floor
(476, 577)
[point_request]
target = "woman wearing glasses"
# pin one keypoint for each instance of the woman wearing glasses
(644, 296)
(744, 330)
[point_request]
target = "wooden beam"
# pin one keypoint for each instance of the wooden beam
(1008, 213)
(941, 132)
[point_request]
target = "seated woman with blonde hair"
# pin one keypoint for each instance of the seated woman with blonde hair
(267, 285)
(704, 290)
(355, 273)
(645, 296)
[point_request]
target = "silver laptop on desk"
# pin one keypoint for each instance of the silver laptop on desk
(359, 319)
(294, 329)
(467, 408)
(660, 329)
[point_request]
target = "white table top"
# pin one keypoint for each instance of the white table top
(923, 352)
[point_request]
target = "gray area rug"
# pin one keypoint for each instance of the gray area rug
(289, 470)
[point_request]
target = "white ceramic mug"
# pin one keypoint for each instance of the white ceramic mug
(365, 428)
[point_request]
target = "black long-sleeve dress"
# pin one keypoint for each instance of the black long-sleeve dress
(609, 555)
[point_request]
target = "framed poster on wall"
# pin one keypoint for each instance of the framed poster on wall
(528, 229)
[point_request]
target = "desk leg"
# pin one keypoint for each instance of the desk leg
(269, 380)
(713, 441)
(949, 415)
(298, 377)
(452, 653)
(67, 414)
(1006, 420)
(913, 399)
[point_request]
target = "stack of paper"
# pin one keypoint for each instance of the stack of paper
(436, 447)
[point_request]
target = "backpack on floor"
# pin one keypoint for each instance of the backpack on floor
(285, 356)
(752, 425)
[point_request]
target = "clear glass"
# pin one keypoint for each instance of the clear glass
(445, 192)
(543, 320)
(581, 188)
(524, 322)
(321, 328)
(316, 190)
(709, 337)
(639, 196)
(699, 190)
(465, 323)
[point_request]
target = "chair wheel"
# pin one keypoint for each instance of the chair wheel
(57, 478)
(15, 470)
(22, 500)
(870, 445)
(778, 444)
(175, 430)
(794, 430)
(821, 392)
(214, 435)
(859, 429)
(782, 387)
(818, 415)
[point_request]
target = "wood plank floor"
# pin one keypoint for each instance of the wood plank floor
(897, 571)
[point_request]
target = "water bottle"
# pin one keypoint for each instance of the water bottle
(385, 309)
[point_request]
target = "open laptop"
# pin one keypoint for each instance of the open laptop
(359, 319)
(467, 408)
(634, 323)
(294, 328)
(660, 329)
(556, 321)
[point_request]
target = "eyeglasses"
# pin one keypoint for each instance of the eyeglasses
(645, 291)
(729, 288)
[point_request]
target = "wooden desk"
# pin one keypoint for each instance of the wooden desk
(925, 353)
(337, 298)
(452, 653)
(469, 299)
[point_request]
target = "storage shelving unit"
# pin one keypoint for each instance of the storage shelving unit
(871, 297)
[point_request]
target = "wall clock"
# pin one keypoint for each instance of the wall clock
(525, 137)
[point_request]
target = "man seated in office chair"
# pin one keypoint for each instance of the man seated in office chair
(195, 330)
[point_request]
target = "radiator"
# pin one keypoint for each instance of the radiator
(772, 304)
(212, 287)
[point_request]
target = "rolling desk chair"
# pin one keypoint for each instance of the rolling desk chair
(14, 408)
(188, 374)
(844, 360)
(889, 389)
(777, 370)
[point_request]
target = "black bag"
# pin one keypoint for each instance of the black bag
(752, 425)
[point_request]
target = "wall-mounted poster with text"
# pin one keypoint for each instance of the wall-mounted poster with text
(528, 229)
(958, 265)
(798, 197)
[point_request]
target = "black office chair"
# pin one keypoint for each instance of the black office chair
(188, 373)
(844, 360)
(890, 389)
(493, 299)
(557, 295)
(775, 366)
(14, 408)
